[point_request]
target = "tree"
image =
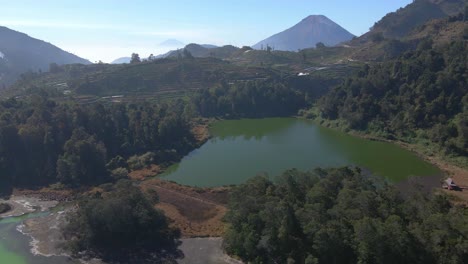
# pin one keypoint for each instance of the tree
(320, 45)
(84, 160)
(377, 37)
(465, 15)
(135, 58)
(303, 55)
(187, 54)
(341, 216)
(54, 68)
(123, 226)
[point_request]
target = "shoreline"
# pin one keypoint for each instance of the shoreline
(447, 168)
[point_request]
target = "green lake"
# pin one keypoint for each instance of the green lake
(240, 149)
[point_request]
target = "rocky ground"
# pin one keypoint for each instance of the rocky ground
(21, 205)
(46, 238)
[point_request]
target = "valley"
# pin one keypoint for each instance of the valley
(310, 146)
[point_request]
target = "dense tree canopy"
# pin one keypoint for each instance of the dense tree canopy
(423, 93)
(249, 99)
(43, 141)
(341, 216)
(121, 225)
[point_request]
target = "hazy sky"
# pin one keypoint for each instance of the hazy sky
(108, 29)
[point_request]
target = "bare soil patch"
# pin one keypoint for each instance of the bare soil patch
(197, 212)
(140, 175)
(47, 194)
(200, 129)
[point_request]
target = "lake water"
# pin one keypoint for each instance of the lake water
(240, 149)
(15, 248)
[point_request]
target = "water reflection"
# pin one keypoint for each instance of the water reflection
(241, 149)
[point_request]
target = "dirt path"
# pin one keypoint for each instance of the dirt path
(205, 251)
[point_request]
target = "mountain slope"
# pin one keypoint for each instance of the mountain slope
(398, 24)
(22, 53)
(204, 51)
(307, 34)
(173, 43)
(441, 21)
(121, 60)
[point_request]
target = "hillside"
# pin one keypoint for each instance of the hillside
(121, 60)
(398, 24)
(22, 53)
(204, 51)
(146, 80)
(306, 34)
(421, 96)
(384, 41)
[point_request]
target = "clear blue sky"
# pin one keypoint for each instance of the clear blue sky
(108, 29)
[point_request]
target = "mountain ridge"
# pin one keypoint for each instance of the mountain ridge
(306, 34)
(23, 53)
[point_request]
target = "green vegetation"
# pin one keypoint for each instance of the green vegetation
(86, 125)
(121, 225)
(267, 97)
(423, 94)
(440, 21)
(398, 24)
(138, 80)
(341, 216)
(251, 99)
(43, 141)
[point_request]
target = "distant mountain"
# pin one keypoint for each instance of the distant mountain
(173, 43)
(209, 46)
(121, 60)
(306, 34)
(203, 51)
(21, 53)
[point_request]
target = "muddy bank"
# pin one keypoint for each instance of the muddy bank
(25, 204)
(46, 238)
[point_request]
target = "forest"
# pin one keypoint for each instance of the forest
(342, 215)
(122, 225)
(44, 141)
(249, 99)
(423, 94)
